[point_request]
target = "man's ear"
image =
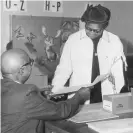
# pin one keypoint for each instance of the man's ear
(21, 71)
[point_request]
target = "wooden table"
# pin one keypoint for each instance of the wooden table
(67, 126)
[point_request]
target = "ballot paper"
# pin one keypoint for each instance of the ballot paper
(113, 126)
(72, 89)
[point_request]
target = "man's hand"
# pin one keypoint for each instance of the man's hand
(59, 98)
(47, 91)
(84, 92)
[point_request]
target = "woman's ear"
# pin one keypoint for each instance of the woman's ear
(105, 25)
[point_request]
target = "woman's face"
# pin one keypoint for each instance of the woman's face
(93, 30)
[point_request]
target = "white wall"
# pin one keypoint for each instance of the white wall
(121, 21)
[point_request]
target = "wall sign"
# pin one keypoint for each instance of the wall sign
(53, 6)
(15, 5)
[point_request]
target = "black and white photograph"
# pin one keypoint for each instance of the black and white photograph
(66, 66)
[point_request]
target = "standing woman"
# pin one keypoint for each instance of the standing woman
(91, 52)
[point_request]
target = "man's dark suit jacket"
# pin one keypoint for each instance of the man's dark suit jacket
(24, 108)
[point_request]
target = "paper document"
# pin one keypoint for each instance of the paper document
(73, 89)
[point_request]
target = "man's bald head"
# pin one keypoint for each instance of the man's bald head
(12, 60)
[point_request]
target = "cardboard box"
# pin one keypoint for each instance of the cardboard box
(118, 103)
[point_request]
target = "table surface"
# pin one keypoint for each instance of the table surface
(113, 126)
(70, 126)
(91, 113)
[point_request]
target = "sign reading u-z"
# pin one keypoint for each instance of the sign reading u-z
(15, 5)
(53, 6)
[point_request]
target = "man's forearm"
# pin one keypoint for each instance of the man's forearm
(49, 110)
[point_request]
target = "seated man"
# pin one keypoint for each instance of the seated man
(23, 107)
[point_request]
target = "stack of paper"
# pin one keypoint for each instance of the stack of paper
(113, 126)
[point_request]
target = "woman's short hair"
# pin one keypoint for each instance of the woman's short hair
(96, 14)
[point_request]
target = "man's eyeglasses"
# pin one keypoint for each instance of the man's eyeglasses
(31, 61)
(93, 30)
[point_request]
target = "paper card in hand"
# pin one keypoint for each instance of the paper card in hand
(72, 89)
